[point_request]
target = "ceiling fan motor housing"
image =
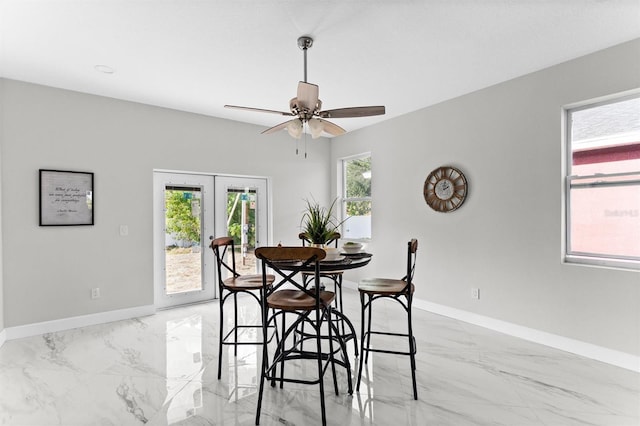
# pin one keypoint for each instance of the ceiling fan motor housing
(304, 113)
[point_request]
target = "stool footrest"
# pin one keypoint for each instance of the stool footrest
(385, 351)
(226, 339)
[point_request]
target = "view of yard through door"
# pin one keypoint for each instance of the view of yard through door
(183, 268)
(182, 252)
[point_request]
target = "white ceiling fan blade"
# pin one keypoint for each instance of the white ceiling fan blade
(289, 114)
(333, 129)
(364, 111)
(307, 96)
(278, 127)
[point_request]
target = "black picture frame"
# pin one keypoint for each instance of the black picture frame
(66, 198)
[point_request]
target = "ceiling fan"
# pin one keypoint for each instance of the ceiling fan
(307, 108)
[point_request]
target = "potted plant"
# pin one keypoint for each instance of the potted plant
(318, 223)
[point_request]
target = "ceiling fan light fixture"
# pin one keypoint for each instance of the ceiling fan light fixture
(295, 128)
(316, 126)
(307, 108)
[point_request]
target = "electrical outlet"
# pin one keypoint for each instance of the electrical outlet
(95, 293)
(475, 293)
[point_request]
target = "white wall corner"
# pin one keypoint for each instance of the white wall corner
(39, 328)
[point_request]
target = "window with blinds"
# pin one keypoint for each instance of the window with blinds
(603, 183)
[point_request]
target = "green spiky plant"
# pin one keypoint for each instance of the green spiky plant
(318, 222)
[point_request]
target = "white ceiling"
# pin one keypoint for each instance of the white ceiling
(199, 55)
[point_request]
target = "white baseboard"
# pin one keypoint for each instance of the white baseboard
(53, 326)
(588, 350)
(3, 337)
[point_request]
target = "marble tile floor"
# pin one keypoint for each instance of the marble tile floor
(161, 370)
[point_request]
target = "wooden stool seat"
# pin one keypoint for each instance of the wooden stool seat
(296, 300)
(383, 286)
(247, 282)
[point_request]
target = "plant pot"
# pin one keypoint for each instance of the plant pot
(332, 253)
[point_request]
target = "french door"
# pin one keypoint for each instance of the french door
(242, 212)
(189, 210)
(183, 220)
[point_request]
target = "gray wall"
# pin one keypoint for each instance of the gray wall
(507, 237)
(49, 271)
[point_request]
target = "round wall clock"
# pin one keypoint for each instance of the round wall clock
(445, 189)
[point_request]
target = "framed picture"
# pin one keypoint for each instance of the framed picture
(66, 198)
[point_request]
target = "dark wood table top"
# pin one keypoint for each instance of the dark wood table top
(346, 261)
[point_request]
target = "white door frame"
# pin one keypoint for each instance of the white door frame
(213, 225)
(205, 182)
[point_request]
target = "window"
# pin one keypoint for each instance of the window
(603, 183)
(356, 197)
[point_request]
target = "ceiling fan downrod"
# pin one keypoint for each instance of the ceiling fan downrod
(304, 43)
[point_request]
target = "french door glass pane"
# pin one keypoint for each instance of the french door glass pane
(241, 225)
(183, 257)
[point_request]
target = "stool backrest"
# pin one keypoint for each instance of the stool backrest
(332, 239)
(412, 249)
(288, 263)
(219, 247)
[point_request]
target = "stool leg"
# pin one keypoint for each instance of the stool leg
(344, 319)
(330, 327)
(275, 328)
(362, 337)
(370, 308)
(265, 363)
(320, 375)
(221, 334)
(302, 337)
(282, 352)
(338, 282)
(235, 324)
(345, 356)
(412, 349)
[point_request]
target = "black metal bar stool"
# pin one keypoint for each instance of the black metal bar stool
(289, 296)
(400, 290)
(233, 285)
